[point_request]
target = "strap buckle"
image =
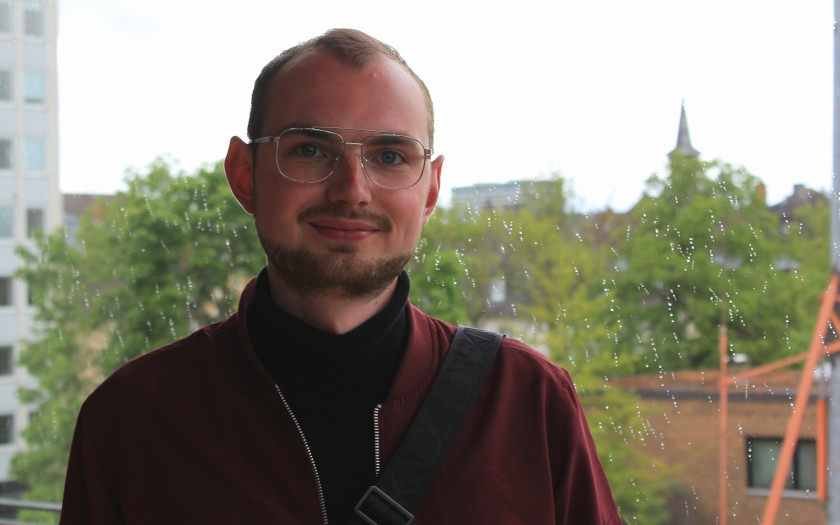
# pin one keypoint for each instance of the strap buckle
(381, 509)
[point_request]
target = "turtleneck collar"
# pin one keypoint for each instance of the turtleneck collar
(303, 358)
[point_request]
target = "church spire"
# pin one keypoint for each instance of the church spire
(683, 139)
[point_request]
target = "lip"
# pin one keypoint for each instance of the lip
(343, 229)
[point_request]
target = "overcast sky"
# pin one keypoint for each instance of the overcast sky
(589, 89)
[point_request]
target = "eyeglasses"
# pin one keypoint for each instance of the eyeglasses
(310, 155)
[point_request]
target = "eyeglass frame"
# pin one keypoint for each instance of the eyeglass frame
(427, 152)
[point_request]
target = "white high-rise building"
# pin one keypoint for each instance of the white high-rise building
(30, 199)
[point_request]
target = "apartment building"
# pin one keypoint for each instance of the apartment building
(30, 200)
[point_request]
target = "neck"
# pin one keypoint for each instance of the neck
(330, 311)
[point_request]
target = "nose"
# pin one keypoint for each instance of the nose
(349, 183)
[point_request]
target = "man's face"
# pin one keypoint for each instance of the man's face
(344, 235)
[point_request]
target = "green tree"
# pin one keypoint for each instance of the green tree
(804, 271)
(451, 272)
(60, 360)
(641, 485)
(435, 273)
(154, 262)
(703, 249)
(523, 251)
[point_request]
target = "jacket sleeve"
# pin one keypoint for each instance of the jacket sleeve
(90, 489)
(581, 490)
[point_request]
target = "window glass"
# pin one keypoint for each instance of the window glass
(35, 155)
(640, 286)
(5, 291)
(34, 221)
(34, 86)
(5, 221)
(806, 465)
(762, 455)
(7, 429)
(33, 20)
(6, 361)
(5, 154)
(5, 85)
(5, 16)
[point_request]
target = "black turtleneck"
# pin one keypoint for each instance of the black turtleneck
(333, 384)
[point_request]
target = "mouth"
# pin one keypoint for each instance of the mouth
(340, 229)
(341, 224)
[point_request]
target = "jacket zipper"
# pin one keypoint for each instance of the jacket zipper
(376, 464)
(321, 501)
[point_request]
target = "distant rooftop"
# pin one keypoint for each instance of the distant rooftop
(77, 203)
(488, 195)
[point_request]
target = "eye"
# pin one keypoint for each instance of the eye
(308, 145)
(308, 150)
(390, 157)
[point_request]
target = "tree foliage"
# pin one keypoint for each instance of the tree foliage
(701, 250)
(149, 265)
(642, 486)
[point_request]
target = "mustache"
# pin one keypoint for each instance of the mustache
(340, 212)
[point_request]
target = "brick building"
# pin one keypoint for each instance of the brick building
(683, 431)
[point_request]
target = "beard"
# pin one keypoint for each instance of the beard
(340, 270)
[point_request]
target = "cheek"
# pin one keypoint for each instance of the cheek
(272, 212)
(273, 197)
(413, 219)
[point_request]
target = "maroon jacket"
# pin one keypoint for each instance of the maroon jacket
(196, 432)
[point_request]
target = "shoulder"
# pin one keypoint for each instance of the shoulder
(520, 368)
(165, 370)
(185, 351)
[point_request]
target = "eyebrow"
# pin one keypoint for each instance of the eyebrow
(309, 131)
(384, 138)
(380, 137)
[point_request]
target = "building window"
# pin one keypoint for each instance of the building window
(5, 154)
(33, 20)
(7, 428)
(5, 16)
(34, 87)
(7, 364)
(762, 454)
(6, 222)
(34, 221)
(35, 155)
(5, 85)
(5, 291)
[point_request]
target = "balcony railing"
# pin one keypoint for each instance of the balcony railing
(6, 504)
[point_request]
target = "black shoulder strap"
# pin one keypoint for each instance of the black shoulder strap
(411, 470)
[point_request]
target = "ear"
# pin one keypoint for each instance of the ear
(434, 188)
(239, 169)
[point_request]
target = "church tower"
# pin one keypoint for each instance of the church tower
(684, 139)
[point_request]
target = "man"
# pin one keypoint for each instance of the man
(287, 411)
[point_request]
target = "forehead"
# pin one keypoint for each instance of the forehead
(319, 89)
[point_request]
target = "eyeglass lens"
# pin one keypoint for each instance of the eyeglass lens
(311, 155)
